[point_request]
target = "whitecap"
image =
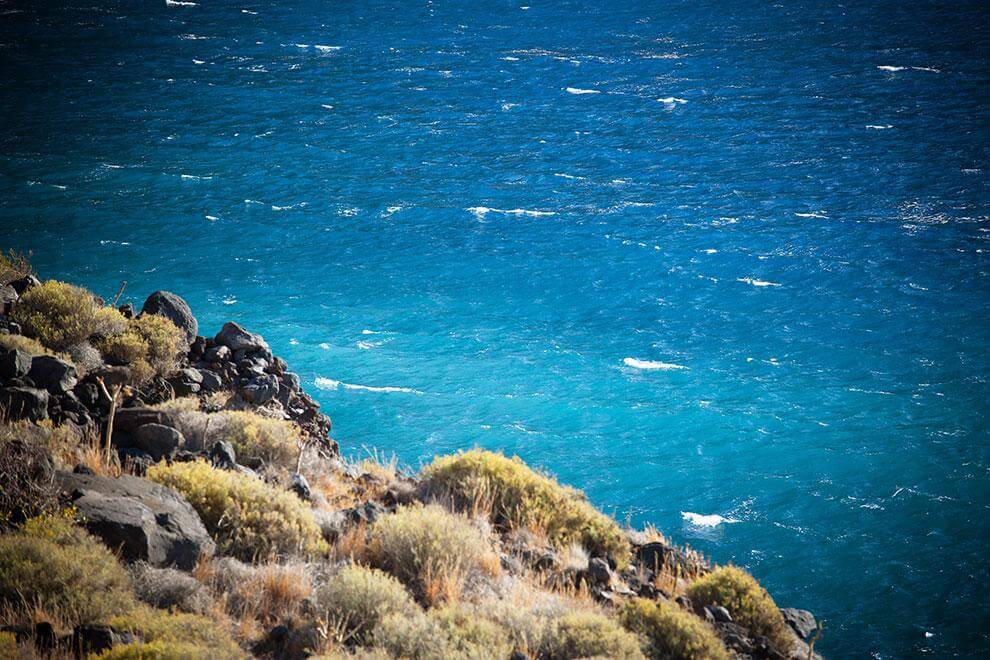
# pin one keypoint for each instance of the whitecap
(579, 91)
(229, 301)
(326, 106)
(248, 11)
(331, 384)
(711, 251)
(194, 177)
(813, 214)
(297, 205)
(879, 127)
(301, 45)
(179, 3)
(671, 100)
(482, 211)
(326, 49)
(509, 58)
(325, 346)
(750, 280)
(372, 332)
(367, 345)
(651, 365)
(702, 520)
(886, 67)
(569, 176)
(212, 218)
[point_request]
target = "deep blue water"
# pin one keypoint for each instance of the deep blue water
(802, 225)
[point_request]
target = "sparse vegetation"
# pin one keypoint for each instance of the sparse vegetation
(247, 517)
(747, 602)
(670, 632)
(13, 266)
(518, 496)
(173, 635)
(41, 569)
(259, 440)
(32, 347)
(27, 475)
(58, 314)
(148, 344)
(431, 550)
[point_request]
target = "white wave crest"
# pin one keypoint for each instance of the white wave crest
(331, 384)
(750, 280)
(326, 49)
(579, 91)
(651, 365)
(179, 3)
(482, 211)
(702, 520)
(879, 127)
(671, 100)
(813, 214)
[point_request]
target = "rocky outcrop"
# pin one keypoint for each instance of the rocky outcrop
(141, 520)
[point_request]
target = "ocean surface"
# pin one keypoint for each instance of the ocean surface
(724, 267)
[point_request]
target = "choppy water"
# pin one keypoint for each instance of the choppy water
(725, 268)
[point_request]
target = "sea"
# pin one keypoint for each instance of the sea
(724, 266)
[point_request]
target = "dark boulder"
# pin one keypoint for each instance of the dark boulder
(143, 520)
(129, 420)
(20, 402)
(174, 308)
(366, 513)
(209, 381)
(718, 614)
(599, 573)
(55, 375)
(300, 486)
(127, 310)
(259, 389)
(237, 338)
(92, 639)
(14, 364)
(198, 347)
(157, 440)
(801, 622)
(186, 381)
(112, 376)
(292, 381)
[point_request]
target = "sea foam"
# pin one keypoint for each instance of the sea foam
(331, 384)
(651, 365)
(702, 520)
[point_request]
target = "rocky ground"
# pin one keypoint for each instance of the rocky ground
(108, 440)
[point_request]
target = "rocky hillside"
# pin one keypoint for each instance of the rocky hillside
(172, 494)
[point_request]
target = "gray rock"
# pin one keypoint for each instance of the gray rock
(365, 513)
(111, 375)
(14, 364)
(158, 440)
(8, 296)
(718, 614)
(209, 381)
(55, 375)
(93, 638)
(292, 381)
(24, 403)
(218, 353)
(174, 308)
(599, 572)
(129, 420)
(237, 338)
(141, 519)
(801, 622)
(186, 381)
(260, 389)
(301, 487)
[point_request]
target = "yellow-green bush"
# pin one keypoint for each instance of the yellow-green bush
(748, 603)
(172, 635)
(470, 635)
(670, 632)
(521, 497)
(58, 314)
(588, 635)
(27, 345)
(247, 517)
(53, 565)
(259, 440)
(149, 345)
(431, 550)
(357, 599)
(8, 646)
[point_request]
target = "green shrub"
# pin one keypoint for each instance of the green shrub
(58, 314)
(748, 603)
(53, 565)
(470, 635)
(173, 635)
(149, 345)
(431, 550)
(587, 635)
(259, 440)
(357, 599)
(670, 632)
(520, 497)
(247, 517)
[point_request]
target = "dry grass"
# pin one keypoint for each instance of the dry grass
(354, 602)
(13, 266)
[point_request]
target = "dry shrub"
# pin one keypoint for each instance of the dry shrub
(258, 440)
(58, 314)
(53, 566)
(356, 600)
(670, 632)
(30, 346)
(27, 474)
(749, 604)
(149, 345)
(431, 550)
(13, 266)
(173, 635)
(589, 635)
(521, 497)
(168, 588)
(247, 517)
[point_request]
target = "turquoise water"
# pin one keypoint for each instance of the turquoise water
(747, 277)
